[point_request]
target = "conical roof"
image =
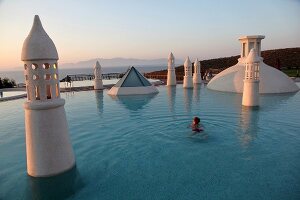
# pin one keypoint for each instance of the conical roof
(187, 62)
(133, 78)
(97, 66)
(196, 63)
(38, 45)
(171, 56)
(253, 57)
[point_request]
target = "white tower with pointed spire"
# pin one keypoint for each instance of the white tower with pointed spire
(171, 80)
(98, 84)
(188, 78)
(251, 80)
(197, 72)
(48, 147)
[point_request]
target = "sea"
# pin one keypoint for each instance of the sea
(18, 75)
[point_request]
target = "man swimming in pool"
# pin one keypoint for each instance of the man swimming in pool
(196, 126)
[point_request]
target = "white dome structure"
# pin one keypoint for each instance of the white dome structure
(132, 83)
(48, 147)
(98, 83)
(271, 79)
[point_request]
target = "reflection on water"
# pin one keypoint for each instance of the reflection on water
(133, 102)
(188, 99)
(248, 123)
(99, 101)
(274, 101)
(171, 92)
(58, 187)
(197, 92)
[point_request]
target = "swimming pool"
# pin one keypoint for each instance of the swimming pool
(140, 148)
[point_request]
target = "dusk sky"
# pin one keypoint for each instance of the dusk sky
(83, 30)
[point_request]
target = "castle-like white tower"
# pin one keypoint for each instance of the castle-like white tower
(271, 80)
(171, 80)
(251, 80)
(98, 84)
(48, 147)
(188, 78)
(197, 72)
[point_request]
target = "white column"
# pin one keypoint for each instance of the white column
(188, 78)
(48, 147)
(98, 84)
(171, 79)
(251, 80)
(197, 72)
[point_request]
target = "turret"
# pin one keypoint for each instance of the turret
(171, 80)
(48, 147)
(187, 79)
(251, 80)
(98, 84)
(197, 72)
(250, 42)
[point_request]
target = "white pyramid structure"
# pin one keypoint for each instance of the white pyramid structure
(132, 83)
(271, 80)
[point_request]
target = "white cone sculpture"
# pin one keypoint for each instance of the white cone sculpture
(188, 78)
(171, 80)
(98, 84)
(48, 147)
(251, 80)
(197, 72)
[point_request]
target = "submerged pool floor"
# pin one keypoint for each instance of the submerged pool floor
(140, 148)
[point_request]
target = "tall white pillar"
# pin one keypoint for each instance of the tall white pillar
(251, 80)
(48, 147)
(98, 84)
(171, 79)
(188, 78)
(197, 72)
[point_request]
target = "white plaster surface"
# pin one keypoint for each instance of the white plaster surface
(98, 83)
(197, 72)
(38, 45)
(271, 79)
(171, 79)
(188, 78)
(48, 147)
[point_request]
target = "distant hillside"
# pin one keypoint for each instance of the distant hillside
(287, 59)
(116, 62)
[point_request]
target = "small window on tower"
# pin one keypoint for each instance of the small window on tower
(25, 67)
(35, 77)
(57, 89)
(34, 66)
(47, 76)
(28, 93)
(55, 76)
(37, 92)
(46, 65)
(48, 87)
(54, 65)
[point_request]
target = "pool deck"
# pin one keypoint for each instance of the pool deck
(87, 88)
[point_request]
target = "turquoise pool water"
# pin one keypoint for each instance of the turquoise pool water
(140, 148)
